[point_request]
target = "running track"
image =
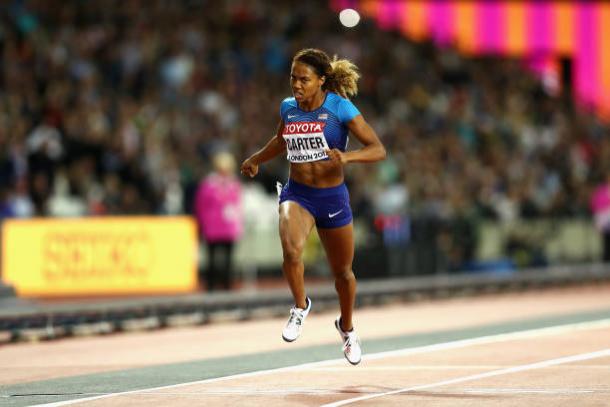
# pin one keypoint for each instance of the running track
(547, 347)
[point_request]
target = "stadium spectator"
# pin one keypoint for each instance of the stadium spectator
(219, 216)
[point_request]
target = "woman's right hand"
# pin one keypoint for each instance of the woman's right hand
(249, 168)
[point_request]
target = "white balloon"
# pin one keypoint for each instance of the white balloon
(349, 17)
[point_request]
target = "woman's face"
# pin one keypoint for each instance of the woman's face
(304, 81)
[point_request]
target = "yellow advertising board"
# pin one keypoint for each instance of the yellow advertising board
(100, 256)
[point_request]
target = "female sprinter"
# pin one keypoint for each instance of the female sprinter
(313, 132)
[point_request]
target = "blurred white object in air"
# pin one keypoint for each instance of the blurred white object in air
(349, 17)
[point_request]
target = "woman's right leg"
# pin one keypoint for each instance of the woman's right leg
(295, 225)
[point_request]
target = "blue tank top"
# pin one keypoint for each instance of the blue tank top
(308, 134)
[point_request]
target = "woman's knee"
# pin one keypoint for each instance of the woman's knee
(344, 274)
(292, 252)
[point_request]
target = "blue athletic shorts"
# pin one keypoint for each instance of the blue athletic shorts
(329, 206)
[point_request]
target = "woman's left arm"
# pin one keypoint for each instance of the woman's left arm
(371, 151)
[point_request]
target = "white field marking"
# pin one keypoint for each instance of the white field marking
(530, 333)
(493, 373)
(448, 367)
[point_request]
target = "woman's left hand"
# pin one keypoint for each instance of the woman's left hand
(336, 156)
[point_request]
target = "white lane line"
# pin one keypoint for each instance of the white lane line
(554, 330)
(493, 373)
(389, 368)
(530, 333)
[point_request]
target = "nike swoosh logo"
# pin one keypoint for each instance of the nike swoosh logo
(332, 215)
(290, 116)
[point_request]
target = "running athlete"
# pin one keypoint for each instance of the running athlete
(313, 132)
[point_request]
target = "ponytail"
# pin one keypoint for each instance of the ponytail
(343, 78)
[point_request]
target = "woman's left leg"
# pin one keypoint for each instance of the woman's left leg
(339, 246)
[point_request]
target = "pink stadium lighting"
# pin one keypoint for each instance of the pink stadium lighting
(527, 29)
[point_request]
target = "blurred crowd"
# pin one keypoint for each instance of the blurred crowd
(117, 106)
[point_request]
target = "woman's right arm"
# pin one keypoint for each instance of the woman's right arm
(272, 149)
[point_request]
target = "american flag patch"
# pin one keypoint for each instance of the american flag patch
(323, 116)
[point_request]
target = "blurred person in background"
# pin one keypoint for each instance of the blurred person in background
(313, 131)
(219, 216)
(600, 205)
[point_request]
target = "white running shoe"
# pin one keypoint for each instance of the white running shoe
(293, 327)
(351, 343)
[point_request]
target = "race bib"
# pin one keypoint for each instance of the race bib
(305, 141)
